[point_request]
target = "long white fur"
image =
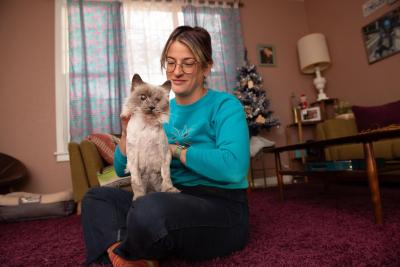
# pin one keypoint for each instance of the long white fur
(148, 151)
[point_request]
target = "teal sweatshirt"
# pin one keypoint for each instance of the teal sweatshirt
(215, 129)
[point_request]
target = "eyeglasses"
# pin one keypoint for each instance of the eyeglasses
(187, 67)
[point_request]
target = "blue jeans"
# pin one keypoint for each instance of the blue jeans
(200, 223)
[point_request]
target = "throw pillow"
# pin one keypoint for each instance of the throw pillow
(376, 116)
(105, 144)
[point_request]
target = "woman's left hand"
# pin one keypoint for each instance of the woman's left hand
(182, 158)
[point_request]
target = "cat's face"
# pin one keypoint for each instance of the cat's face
(149, 100)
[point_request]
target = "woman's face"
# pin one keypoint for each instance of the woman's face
(187, 78)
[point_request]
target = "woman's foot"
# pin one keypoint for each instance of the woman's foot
(118, 261)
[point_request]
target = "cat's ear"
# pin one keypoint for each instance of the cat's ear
(136, 81)
(167, 85)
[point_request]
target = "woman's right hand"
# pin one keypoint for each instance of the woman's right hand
(122, 141)
(124, 124)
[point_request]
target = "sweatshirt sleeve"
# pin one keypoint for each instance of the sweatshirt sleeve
(119, 162)
(228, 162)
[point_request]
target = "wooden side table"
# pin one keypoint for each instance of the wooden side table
(326, 113)
(326, 107)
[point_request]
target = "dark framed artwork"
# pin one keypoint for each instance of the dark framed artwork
(382, 36)
(266, 55)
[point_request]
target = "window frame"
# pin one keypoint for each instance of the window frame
(61, 81)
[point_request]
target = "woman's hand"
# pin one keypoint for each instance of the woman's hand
(182, 158)
(124, 125)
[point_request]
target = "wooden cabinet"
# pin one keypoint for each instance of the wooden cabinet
(307, 128)
(327, 112)
(327, 107)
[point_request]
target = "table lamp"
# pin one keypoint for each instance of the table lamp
(314, 58)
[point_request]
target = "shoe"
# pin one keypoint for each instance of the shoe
(118, 261)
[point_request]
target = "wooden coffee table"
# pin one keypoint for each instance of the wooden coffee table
(371, 170)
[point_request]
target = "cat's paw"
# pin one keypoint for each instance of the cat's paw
(173, 190)
(167, 187)
(137, 194)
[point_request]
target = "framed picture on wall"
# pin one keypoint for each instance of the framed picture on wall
(266, 55)
(382, 36)
(310, 114)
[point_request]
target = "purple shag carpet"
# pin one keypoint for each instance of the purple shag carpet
(312, 227)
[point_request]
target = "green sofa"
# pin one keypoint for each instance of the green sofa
(333, 128)
(85, 162)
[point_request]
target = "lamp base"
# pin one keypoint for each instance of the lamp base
(322, 96)
(319, 83)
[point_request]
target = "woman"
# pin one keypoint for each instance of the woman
(208, 137)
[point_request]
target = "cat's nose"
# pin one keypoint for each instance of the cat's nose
(152, 108)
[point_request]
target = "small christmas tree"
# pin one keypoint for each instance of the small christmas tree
(253, 97)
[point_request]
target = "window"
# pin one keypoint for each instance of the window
(147, 27)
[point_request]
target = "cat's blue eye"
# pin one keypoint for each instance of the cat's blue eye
(143, 97)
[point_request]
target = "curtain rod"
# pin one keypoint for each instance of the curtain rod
(231, 3)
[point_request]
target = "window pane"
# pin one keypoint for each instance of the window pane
(148, 26)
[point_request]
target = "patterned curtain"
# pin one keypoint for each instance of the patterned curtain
(97, 74)
(223, 24)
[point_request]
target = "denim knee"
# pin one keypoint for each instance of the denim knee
(147, 217)
(145, 226)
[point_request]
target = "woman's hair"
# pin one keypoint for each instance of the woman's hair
(197, 39)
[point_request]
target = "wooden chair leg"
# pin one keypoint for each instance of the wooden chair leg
(250, 179)
(278, 168)
(78, 208)
(264, 170)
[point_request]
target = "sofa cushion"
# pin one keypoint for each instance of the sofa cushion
(377, 116)
(336, 128)
(105, 144)
(382, 149)
(80, 184)
(92, 160)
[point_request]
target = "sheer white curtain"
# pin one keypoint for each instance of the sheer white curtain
(148, 25)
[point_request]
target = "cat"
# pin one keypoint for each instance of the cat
(147, 146)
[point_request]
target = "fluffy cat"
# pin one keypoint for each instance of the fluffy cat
(147, 146)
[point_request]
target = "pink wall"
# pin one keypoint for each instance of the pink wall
(350, 76)
(27, 97)
(281, 24)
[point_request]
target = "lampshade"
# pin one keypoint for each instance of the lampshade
(313, 52)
